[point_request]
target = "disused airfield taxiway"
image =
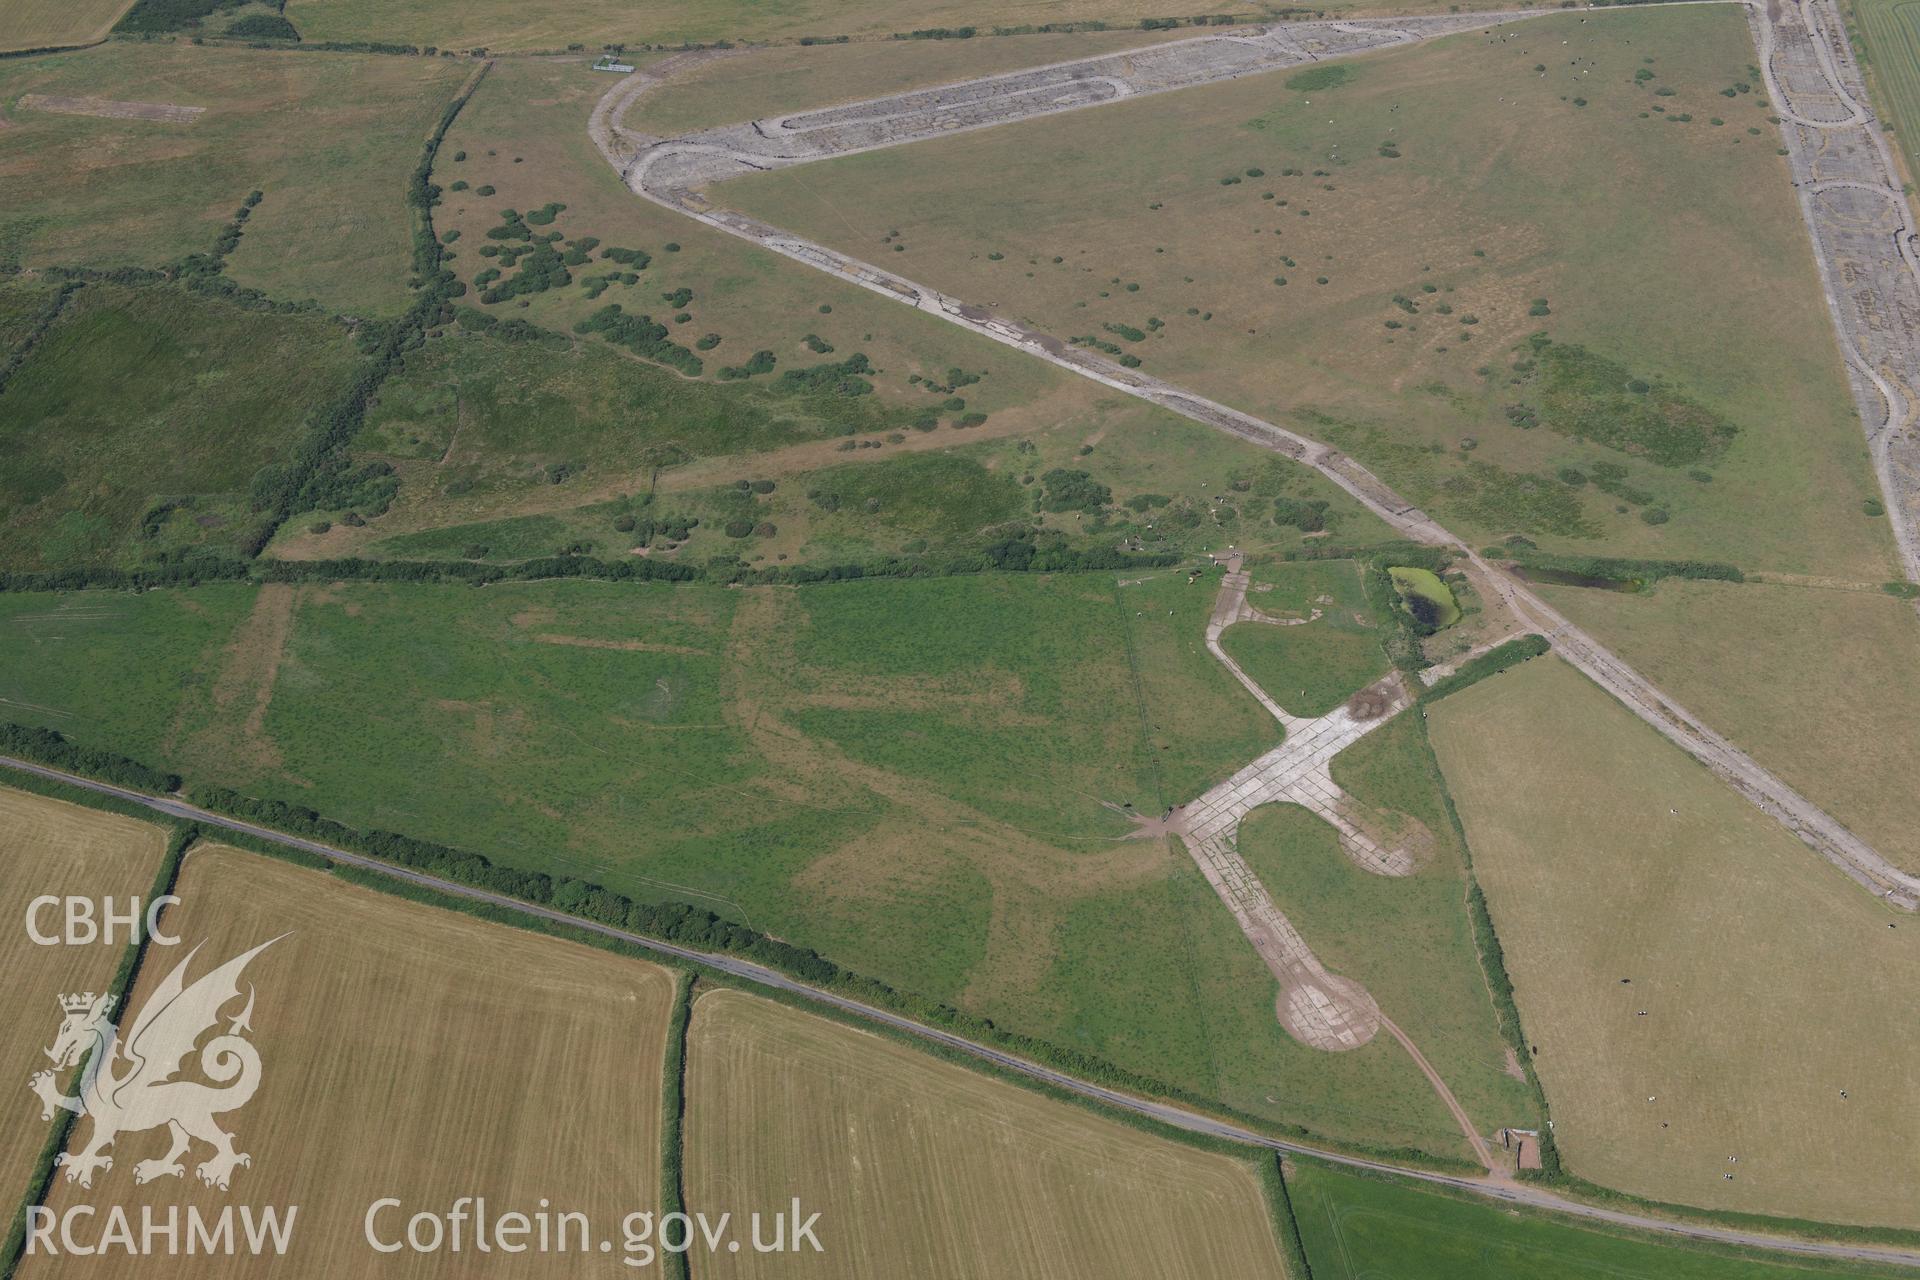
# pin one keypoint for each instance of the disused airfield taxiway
(1815, 89)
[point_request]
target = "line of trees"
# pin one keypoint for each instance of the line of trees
(1015, 554)
(36, 330)
(1616, 569)
(50, 747)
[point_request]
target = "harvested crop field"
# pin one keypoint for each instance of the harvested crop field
(50, 847)
(37, 24)
(408, 1052)
(1717, 1013)
(922, 1168)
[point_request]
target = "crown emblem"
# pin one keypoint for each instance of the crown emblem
(82, 1002)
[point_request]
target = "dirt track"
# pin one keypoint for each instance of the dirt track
(667, 172)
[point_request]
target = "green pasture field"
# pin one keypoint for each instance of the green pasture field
(1314, 667)
(482, 430)
(36, 24)
(114, 669)
(136, 395)
(1456, 198)
(1407, 939)
(913, 777)
(1711, 1002)
(21, 304)
(330, 141)
(1359, 1227)
(524, 447)
(1812, 682)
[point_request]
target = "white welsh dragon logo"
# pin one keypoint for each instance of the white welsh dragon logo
(127, 1085)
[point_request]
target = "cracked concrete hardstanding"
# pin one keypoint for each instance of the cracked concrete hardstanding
(1317, 1008)
(661, 171)
(1321, 1009)
(1862, 233)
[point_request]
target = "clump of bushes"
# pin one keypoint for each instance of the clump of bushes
(1063, 490)
(759, 362)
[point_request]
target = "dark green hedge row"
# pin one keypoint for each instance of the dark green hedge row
(1010, 556)
(36, 330)
(1399, 550)
(1618, 570)
(35, 52)
(319, 475)
(673, 921)
(1492, 662)
(673, 1115)
(1273, 1181)
(1493, 959)
(51, 748)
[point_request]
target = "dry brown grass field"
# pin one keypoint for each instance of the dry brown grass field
(524, 136)
(330, 141)
(1427, 214)
(1817, 684)
(502, 26)
(751, 83)
(1720, 1017)
(409, 1052)
(34, 24)
(922, 1168)
(521, 144)
(50, 847)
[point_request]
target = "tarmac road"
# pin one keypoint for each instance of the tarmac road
(1505, 1192)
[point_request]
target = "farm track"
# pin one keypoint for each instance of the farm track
(670, 173)
(1520, 1195)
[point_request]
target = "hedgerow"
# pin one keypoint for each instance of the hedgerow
(1493, 662)
(319, 474)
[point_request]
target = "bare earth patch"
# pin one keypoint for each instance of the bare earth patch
(108, 109)
(249, 667)
(625, 646)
